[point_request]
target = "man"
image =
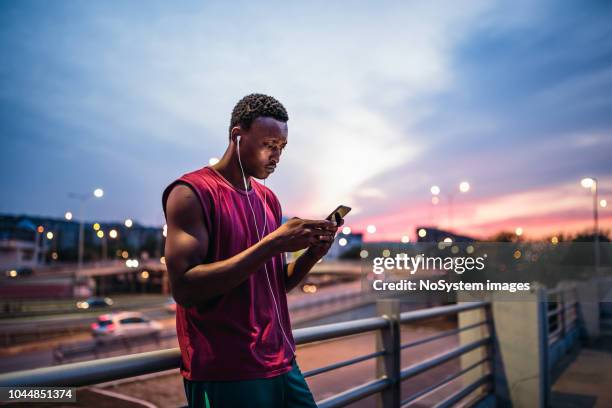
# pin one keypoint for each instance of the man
(225, 257)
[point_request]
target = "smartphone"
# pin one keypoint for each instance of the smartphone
(339, 213)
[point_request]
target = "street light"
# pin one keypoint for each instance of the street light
(464, 187)
(591, 183)
(68, 215)
(98, 193)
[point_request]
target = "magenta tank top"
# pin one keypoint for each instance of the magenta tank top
(236, 336)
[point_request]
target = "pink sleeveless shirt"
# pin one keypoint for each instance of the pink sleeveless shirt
(236, 336)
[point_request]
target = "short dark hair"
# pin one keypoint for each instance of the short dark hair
(253, 106)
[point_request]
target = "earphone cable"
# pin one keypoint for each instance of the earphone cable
(260, 236)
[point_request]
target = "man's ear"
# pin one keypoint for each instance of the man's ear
(236, 130)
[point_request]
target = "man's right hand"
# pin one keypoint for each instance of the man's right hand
(298, 234)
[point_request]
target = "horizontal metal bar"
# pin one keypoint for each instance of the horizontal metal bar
(355, 394)
(444, 381)
(335, 330)
(114, 368)
(341, 364)
(443, 334)
(452, 399)
(417, 315)
(555, 332)
(440, 359)
(94, 372)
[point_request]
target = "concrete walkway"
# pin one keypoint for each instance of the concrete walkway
(586, 380)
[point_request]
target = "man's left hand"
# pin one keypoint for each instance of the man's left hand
(321, 248)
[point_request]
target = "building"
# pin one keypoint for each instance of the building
(36, 240)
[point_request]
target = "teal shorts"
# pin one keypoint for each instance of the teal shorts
(288, 390)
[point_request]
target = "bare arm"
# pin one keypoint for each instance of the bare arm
(192, 281)
(298, 269)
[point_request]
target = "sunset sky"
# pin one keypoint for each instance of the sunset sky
(385, 100)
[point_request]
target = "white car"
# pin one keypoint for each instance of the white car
(124, 324)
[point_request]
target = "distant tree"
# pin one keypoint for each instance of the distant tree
(504, 236)
(590, 237)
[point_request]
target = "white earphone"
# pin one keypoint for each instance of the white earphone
(260, 236)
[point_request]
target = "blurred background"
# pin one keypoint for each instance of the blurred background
(487, 121)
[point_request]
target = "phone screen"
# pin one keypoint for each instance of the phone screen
(339, 213)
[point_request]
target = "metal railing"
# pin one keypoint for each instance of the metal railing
(389, 374)
(562, 312)
(563, 322)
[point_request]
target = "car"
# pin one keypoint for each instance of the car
(94, 303)
(24, 271)
(124, 324)
(170, 305)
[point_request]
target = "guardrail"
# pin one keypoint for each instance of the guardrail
(389, 375)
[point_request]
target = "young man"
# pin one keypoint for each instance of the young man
(225, 257)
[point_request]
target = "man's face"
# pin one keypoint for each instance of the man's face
(262, 145)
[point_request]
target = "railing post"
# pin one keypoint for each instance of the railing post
(561, 316)
(389, 364)
(467, 318)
